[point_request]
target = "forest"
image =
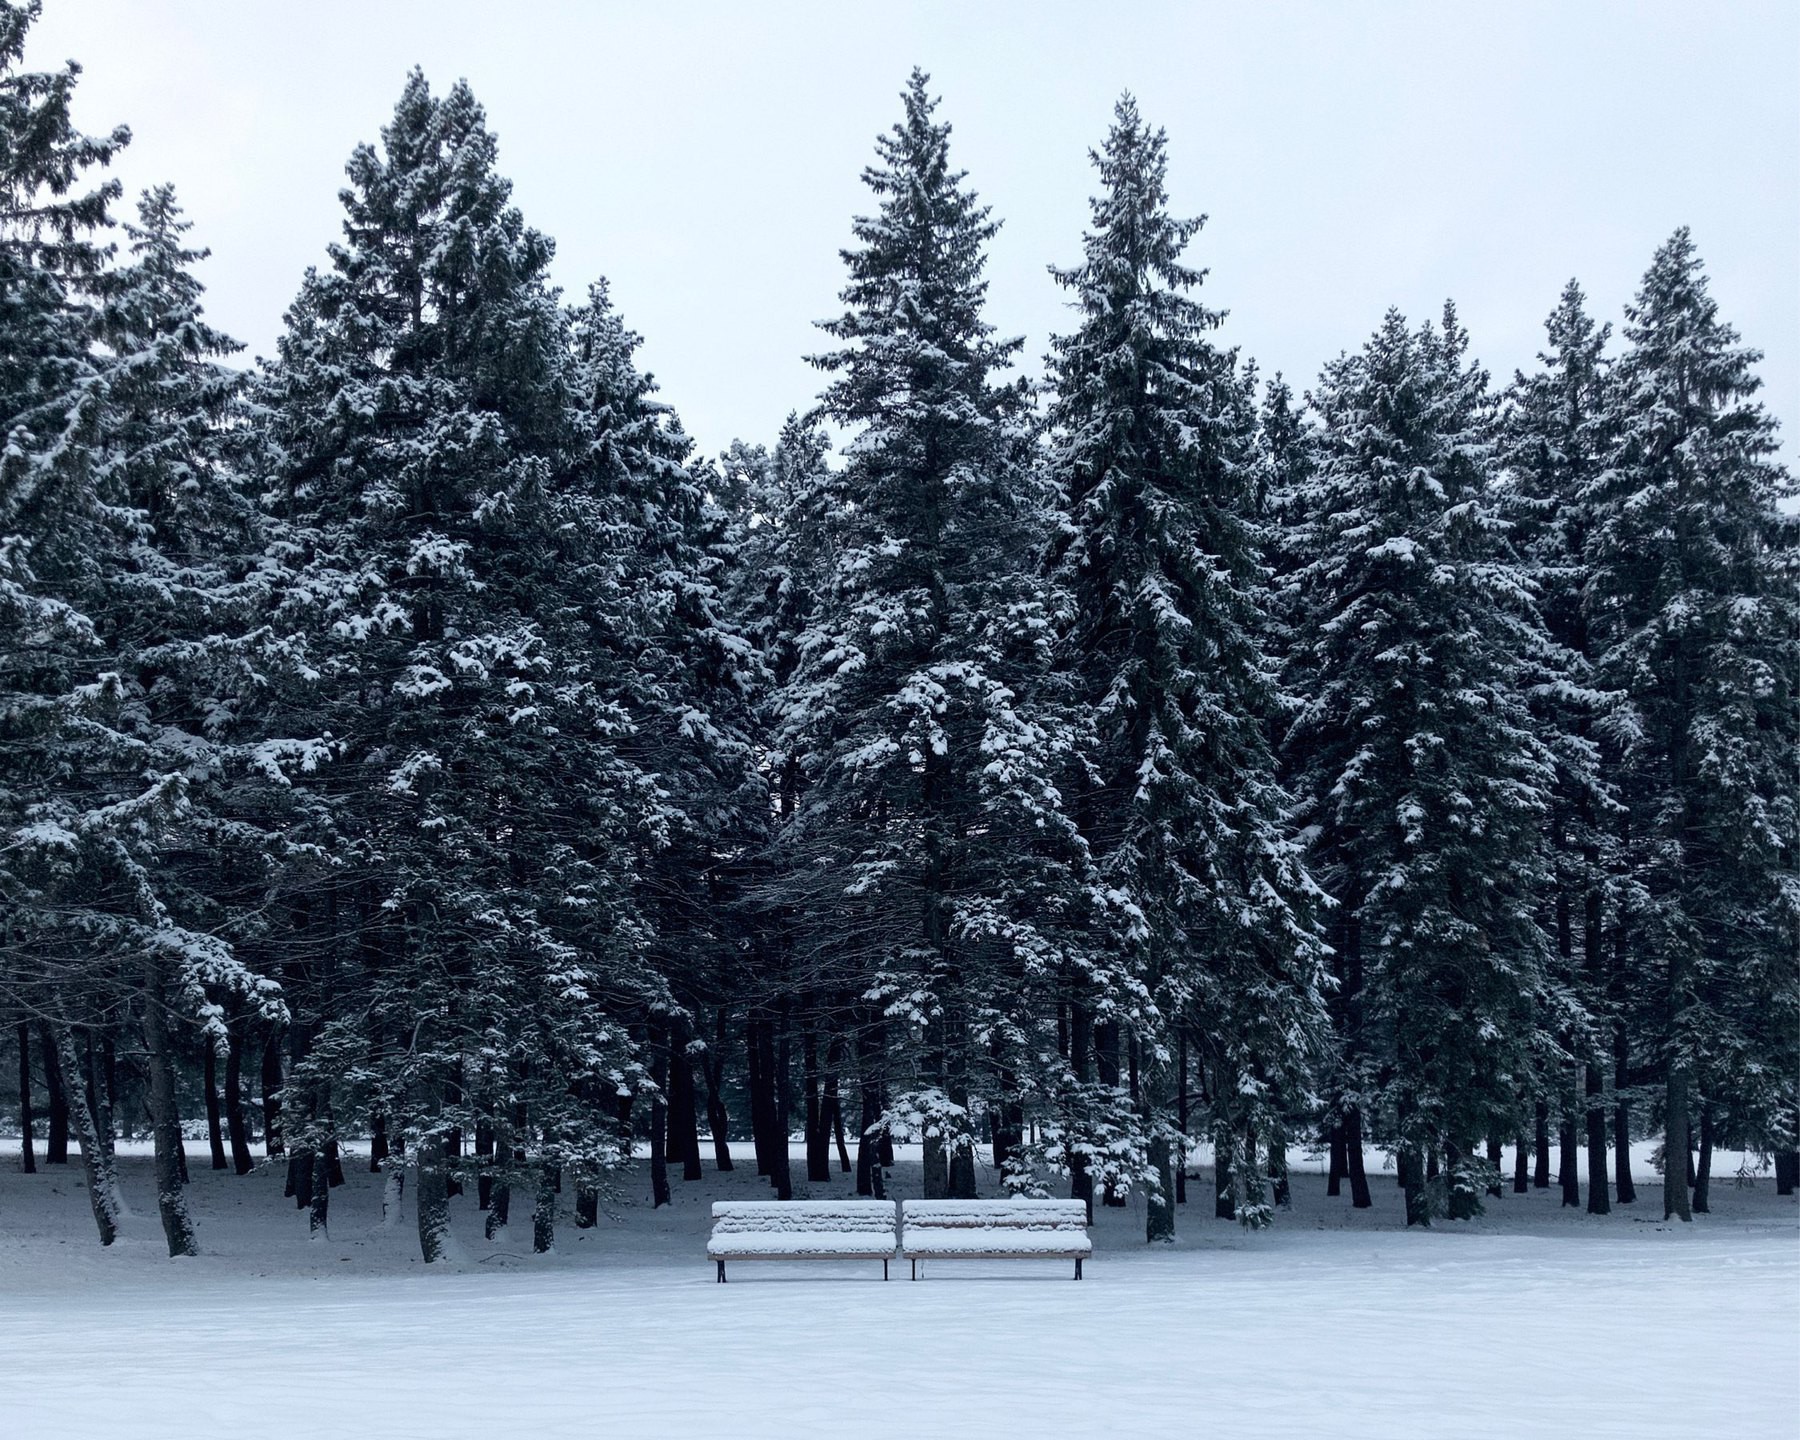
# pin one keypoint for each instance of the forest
(415, 755)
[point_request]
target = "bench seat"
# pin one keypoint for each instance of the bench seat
(802, 1230)
(994, 1230)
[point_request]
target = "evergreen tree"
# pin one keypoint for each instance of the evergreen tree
(1427, 780)
(471, 953)
(927, 852)
(1692, 602)
(1556, 436)
(1155, 458)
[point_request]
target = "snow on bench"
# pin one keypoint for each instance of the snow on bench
(802, 1230)
(994, 1230)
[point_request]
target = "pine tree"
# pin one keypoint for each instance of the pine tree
(1556, 436)
(1692, 601)
(927, 854)
(1155, 458)
(1427, 779)
(470, 953)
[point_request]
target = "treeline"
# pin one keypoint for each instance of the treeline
(411, 738)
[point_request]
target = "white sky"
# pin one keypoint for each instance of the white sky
(706, 157)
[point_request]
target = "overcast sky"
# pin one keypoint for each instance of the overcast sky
(706, 157)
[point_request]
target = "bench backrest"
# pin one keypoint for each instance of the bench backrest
(1055, 1215)
(784, 1217)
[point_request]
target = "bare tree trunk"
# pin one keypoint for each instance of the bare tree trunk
(171, 1198)
(818, 1134)
(1494, 1156)
(1159, 1202)
(684, 1121)
(215, 1120)
(1703, 1171)
(318, 1211)
(271, 1096)
(1596, 1144)
(433, 1198)
(56, 1139)
(237, 1127)
(1353, 1157)
(1181, 1110)
(1540, 1173)
(1521, 1166)
(103, 1193)
(1224, 1192)
(869, 1179)
(1568, 1160)
(712, 1066)
(659, 1074)
(1675, 1145)
(1338, 1170)
(27, 1155)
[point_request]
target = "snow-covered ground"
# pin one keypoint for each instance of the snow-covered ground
(1530, 1320)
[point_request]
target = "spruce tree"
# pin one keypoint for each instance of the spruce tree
(1155, 459)
(1692, 601)
(470, 953)
(1426, 778)
(927, 851)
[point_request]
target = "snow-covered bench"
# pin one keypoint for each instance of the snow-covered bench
(802, 1230)
(994, 1230)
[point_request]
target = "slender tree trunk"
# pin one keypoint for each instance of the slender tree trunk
(318, 1211)
(1224, 1192)
(1159, 1202)
(1703, 1171)
(1339, 1167)
(27, 1156)
(484, 1157)
(215, 1119)
(271, 1096)
(761, 1057)
(171, 1198)
(1412, 1182)
(1521, 1166)
(1360, 1198)
(818, 1134)
(1495, 1154)
(1540, 1173)
(1181, 1110)
(1596, 1144)
(1622, 1181)
(103, 1193)
(659, 1157)
(684, 1118)
(56, 1139)
(784, 1109)
(1675, 1145)
(869, 1179)
(1568, 1160)
(1281, 1192)
(712, 1065)
(237, 1127)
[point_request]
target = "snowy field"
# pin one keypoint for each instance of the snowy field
(1531, 1320)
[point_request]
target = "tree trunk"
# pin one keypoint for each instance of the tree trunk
(1596, 1144)
(1353, 1156)
(1703, 1171)
(760, 1051)
(1540, 1174)
(1224, 1193)
(869, 1179)
(1622, 1181)
(1412, 1181)
(103, 1193)
(1568, 1161)
(1159, 1202)
(1281, 1192)
(818, 1133)
(1181, 1110)
(56, 1139)
(659, 1156)
(318, 1212)
(1521, 1166)
(237, 1126)
(1675, 1145)
(171, 1199)
(784, 1110)
(27, 1156)
(271, 1096)
(432, 1196)
(1494, 1157)
(1339, 1167)
(1787, 1171)
(712, 1066)
(215, 1119)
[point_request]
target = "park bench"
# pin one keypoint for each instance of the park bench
(994, 1230)
(802, 1230)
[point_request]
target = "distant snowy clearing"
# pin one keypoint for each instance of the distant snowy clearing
(1532, 1319)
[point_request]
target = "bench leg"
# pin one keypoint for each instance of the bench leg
(884, 1270)
(721, 1272)
(1077, 1269)
(915, 1265)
